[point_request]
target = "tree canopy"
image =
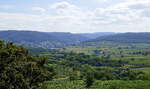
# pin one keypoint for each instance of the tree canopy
(18, 70)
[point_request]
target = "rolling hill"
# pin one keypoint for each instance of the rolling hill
(129, 38)
(41, 39)
(97, 34)
(60, 39)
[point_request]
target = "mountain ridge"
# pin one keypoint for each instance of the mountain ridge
(28, 38)
(129, 37)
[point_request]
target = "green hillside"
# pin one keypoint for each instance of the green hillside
(41, 39)
(128, 38)
(97, 34)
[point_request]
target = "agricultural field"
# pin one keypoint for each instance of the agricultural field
(124, 67)
(135, 54)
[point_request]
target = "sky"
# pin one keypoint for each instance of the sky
(76, 16)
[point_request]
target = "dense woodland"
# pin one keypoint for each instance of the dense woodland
(107, 63)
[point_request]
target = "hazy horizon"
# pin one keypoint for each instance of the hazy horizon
(74, 32)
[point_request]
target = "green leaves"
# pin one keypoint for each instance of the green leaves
(20, 71)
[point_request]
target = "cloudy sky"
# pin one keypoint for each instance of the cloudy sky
(77, 16)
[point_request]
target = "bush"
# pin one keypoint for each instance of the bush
(89, 79)
(20, 71)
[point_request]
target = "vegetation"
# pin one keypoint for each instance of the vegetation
(79, 69)
(89, 79)
(20, 71)
(96, 34)
(125, 38)
(108, 84)
(41, 39)
(97, 64)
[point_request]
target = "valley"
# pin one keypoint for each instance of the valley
(75, 61)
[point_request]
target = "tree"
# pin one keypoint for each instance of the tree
(88, 72)
(73, 74)
(89, 79)
(20, 71)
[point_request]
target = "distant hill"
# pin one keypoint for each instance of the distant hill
(60, 39)
(96, 34)
(41, 39)
(129, 38)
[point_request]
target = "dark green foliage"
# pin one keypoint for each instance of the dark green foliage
(89, 79)
(73, 74)
(20, 71)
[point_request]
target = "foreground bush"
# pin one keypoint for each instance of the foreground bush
(20, 71)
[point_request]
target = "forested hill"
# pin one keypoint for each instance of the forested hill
(41, 39)
(97, 34)
(125, 38)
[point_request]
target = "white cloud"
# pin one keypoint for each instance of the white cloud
(129, 11)
(131, 15)
(65, 9)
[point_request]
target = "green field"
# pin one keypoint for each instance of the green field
(114, 67)
(111, 84)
